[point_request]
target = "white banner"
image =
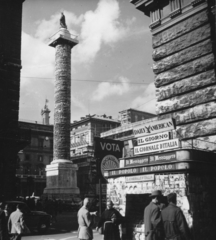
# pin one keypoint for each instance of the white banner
(149, 177)
(155, 147)
(153, 138)
(153, 127)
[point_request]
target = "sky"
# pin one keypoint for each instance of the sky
(111, 67)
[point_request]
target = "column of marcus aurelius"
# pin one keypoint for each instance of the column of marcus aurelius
(61, 173)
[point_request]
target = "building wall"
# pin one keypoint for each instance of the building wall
(133, 115)
(82, 149)
(33, 159)
(183, 43)
(11, 138)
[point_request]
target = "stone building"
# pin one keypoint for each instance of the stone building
(133, 115)
(32, 160)
(82, 149)
(183, 41)
(12, 139)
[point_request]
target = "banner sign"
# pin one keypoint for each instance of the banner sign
(153, 138)
(107, 152)
(155, 147)
(105, 147)
(146, 169)
(163, 157)
(153, 127)
(149, 177)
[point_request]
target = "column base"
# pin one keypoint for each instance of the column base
(61, 179)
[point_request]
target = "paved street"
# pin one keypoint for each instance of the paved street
(65, 228)
(59, 236)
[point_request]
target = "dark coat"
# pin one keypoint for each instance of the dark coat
(110, 220)
(174, 222)
(153, 222)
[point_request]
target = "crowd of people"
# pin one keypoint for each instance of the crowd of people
(165, 222)
(162, 221)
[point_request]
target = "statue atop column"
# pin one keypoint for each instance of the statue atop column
(62, 21)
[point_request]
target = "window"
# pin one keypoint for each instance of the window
(40, 158)
(27, 157)
(40, 142)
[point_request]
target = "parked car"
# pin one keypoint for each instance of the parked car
(35, 220)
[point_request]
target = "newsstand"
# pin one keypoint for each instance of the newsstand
(188, 173)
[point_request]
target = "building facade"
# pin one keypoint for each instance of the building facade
(175, 151)
(12, 139)
(82, 149)
(133, 115)
(30, 173)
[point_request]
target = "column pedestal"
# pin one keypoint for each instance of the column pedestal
(61, 180)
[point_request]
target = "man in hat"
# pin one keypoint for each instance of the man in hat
(152, 218)
(174, 222)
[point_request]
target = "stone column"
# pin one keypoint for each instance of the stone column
(61, 173)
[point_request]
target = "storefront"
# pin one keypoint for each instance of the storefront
(188, 173)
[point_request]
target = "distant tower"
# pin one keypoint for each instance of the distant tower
(45, 114)
(61, 173)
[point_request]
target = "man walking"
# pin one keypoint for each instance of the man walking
(16, 217)
(174, 222)
(152, 218)
(85, 221)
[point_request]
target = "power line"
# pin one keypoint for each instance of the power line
(90, 80)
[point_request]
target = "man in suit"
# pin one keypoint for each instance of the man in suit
(16, 217)
(85, 221)
(152, 217)
(174, 222)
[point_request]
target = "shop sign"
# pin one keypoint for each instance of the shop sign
(162, 157)
(153, 138)
(137, 161)
(140, 178)
(155, 147)
(146, 169)
(153, 127)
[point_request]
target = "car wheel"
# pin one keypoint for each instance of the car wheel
(42, 227)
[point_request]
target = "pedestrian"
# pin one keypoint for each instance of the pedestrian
(174, 222)
(85, 221)
(16, 217)
(3, 223)
(152, 217)
(110, 221)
